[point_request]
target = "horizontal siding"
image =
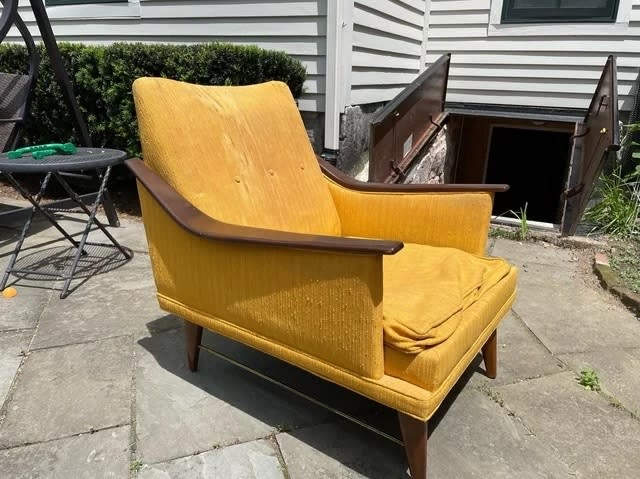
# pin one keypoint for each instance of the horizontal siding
(558, 67)
(387, 48)
(297, 27)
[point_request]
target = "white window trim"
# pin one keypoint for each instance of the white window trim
(496, 29)
(92, 11)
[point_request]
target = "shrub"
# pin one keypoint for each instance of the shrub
(102, 78)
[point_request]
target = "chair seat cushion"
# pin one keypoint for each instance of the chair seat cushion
(426, 290)
(436, 303)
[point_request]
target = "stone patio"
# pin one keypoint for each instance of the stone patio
(96, 385)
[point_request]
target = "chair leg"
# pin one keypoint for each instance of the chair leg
(193, 335)
(414, 435)
(490, 355)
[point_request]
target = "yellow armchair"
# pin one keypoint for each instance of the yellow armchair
(382, 289)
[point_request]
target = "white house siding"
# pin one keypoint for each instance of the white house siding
(387, 48)
(297, 27)
(534, 65)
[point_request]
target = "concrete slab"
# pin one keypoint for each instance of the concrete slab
(118, 302)
(474, 437)
(341, 450)
(181, 413)
(24, 310)
(13, 344)
(520, 355)
(569, 316)
(70, 390)
(618, 370)
(87, 456)
(534, 253)
(251, 460)
(582, 427)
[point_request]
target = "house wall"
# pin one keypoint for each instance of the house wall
(387, 48)
(552, 65)
(297, 27)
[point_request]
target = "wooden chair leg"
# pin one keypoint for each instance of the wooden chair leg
(414, 435)
(490, 355)
(193, 335)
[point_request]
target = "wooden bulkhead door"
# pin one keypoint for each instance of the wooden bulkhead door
(596, 137)
(404, 125)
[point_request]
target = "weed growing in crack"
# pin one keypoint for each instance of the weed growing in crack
(135, 466)
(589, 379)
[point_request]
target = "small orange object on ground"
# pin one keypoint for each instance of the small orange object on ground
(9, 292)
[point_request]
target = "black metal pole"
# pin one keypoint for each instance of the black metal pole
(59, 71)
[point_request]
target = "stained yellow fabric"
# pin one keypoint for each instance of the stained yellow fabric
(322, 304)
(239, 154)
(456, 220)
(432, 366)
(389, 390)
(426, 290)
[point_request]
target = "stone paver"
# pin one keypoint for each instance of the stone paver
(103, 454)
(476, 438)
(13, 344)
(70, 390)
(107, 360)
(569, 316)
(583, 428)
(24, 310)
(618, 370)
(340, 450)
(251, 460)
(520, 355)
(121, 302)
(181, 413)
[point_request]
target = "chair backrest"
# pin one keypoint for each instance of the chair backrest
(16, 88)
(14, 91)
(240, 154)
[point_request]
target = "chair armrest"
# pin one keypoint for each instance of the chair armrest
(337, 176)
(198, 223)
(456, 216)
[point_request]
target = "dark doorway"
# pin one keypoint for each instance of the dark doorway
(534, 163)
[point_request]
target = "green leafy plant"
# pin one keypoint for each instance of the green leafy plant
(616, 213)
(589, 379)
(135, 466)
(522, 233)
(102, 77)
(617, 209)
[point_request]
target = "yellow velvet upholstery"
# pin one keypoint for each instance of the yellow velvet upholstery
(241, 156)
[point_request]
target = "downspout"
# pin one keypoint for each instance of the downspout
(338, 78)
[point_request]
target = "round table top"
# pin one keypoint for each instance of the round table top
(83, 159)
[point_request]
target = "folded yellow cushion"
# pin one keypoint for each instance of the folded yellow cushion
(426, 289)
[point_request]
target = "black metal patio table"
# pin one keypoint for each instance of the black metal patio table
(99, 159)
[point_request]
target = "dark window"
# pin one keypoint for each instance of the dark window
(53, 3)
(559, 11)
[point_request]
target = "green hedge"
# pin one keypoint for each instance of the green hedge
(102, 78)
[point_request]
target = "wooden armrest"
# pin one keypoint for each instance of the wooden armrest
(198, 223)
(346, 181)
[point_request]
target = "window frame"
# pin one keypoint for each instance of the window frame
(607, 14)
(58, 3)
